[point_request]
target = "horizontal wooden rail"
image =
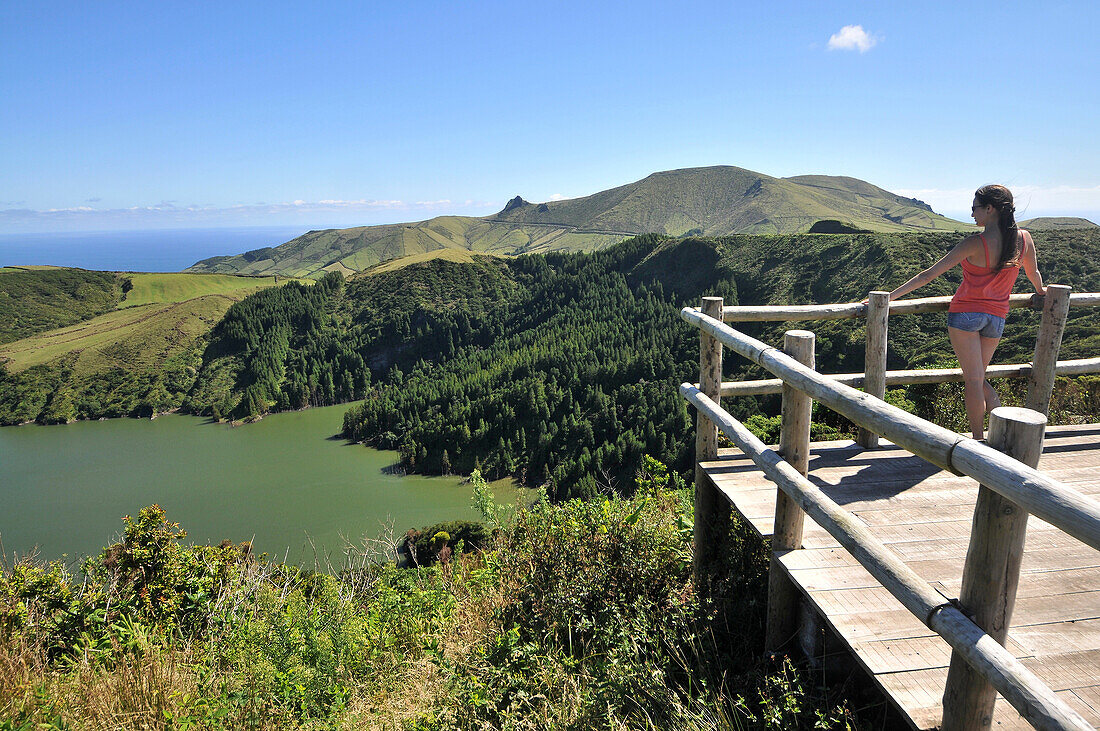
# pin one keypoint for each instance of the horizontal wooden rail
(908, 378)
(1048, 499)
(850, 310)
(1028, 694)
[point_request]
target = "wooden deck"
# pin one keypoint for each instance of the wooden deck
(924, 515)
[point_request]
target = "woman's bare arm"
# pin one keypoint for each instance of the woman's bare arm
(1031, 263)
(967, 247)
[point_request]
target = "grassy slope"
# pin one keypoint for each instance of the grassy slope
(457, 256)
(715, 201)
(132, 338)
(163, 320)
(725, 200)
(162, 288)
(160, 309)
(358, 249)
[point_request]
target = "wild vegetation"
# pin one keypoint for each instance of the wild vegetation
(605, 630)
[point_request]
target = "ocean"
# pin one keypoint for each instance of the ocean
(163, 250)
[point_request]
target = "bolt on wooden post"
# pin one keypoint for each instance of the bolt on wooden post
(711, 510)
(1040, 384)
(992, 569)
(874, 369)
(794, 445)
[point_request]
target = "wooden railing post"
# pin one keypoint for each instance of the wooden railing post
(1041, 382)
(992, 569)
(711, 510)
(794, 445)
(874, 369)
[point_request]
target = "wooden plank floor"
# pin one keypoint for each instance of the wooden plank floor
(924, 515)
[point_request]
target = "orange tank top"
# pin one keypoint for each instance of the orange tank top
(983, 289)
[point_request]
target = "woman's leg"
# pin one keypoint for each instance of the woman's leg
(992, 400)
(968, 349)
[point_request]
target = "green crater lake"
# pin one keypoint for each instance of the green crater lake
(286, 483)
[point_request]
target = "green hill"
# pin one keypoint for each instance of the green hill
(85, 344)
(722, 200)
(710, 201)
(168, 287)
(1055, 223)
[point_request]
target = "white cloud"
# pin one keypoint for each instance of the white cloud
(74, 209)
(852, 38)
(557, 197)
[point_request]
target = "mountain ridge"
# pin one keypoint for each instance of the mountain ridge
(711, 201)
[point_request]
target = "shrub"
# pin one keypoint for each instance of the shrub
(38, 603)
(155, 578)
(149, 580)
(423, 547)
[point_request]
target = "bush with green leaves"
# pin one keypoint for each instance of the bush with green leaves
(425, 546)
(150, 578)
(39, 603)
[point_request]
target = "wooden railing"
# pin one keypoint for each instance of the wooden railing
(1010, 487)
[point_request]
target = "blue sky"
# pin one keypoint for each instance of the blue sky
(148, 115)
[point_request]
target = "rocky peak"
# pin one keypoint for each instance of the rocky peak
(515, 203)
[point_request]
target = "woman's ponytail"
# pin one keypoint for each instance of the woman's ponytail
(1010, 236)
(1000, 198)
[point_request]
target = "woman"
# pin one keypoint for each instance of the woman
(991, 261)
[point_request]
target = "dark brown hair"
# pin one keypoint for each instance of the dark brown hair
(1000, 198)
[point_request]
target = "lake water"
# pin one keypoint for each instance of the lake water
(280, 482)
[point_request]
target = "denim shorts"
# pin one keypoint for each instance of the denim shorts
(988, 326)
